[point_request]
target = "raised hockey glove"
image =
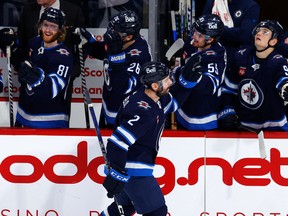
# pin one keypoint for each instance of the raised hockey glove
(191, 73)
(114, 182)
(114, 46)
(284, 91)
(30, 74)
(78, 33)
(7, 38)
(228, 120)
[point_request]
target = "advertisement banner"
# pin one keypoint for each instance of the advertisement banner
(44, 175)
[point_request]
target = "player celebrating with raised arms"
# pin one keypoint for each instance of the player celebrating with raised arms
(256, 88)
(44, 71)
(124, 51)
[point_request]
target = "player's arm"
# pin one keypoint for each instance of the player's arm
(131, 128)
(212, 74)
(227, 117)
(282, 78)
(242, 34)
(47, 85)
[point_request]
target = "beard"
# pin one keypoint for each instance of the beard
(50, 39)
(160, 92)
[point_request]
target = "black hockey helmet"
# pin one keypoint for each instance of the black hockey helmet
(53, 15)
(272, 25)
(153, 72)
(210, 25)
(126, 22)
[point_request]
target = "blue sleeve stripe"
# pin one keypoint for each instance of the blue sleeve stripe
(230, 84)
(59, 80)
(215, 83)
(114, 139)
(126, 134)
(54, 87)
(228, 91)
(281, 81)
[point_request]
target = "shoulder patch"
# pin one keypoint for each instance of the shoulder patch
(144, 105)
(210, 52)
(63, 52)
(278, 56)
(134, 52)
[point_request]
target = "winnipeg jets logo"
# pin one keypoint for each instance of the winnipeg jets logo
(255, 67)
(134, 52)
(251, 96)
(63, 52)
(249, 93)
(144, 104)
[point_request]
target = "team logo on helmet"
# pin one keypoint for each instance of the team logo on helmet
(210, 25)
(251, 95)
(150, 70)
(53, 15)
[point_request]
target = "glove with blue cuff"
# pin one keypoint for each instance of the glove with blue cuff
(228, 120)
(30, 74)
(191, 73)
(114, 46)
(115, 181)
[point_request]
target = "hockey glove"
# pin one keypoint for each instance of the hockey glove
(114, 182)
(77, 33)
(114, 46)
(228, 120)
(284, 91)
(191, 73)
(7, 38)
(30, 74)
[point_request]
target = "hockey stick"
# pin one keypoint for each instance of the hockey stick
(260, 135)
(100, 140)
(173, 23)
(10, 85)
(83, 78)
(193, 18)
(176, 46)
(205, 176)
